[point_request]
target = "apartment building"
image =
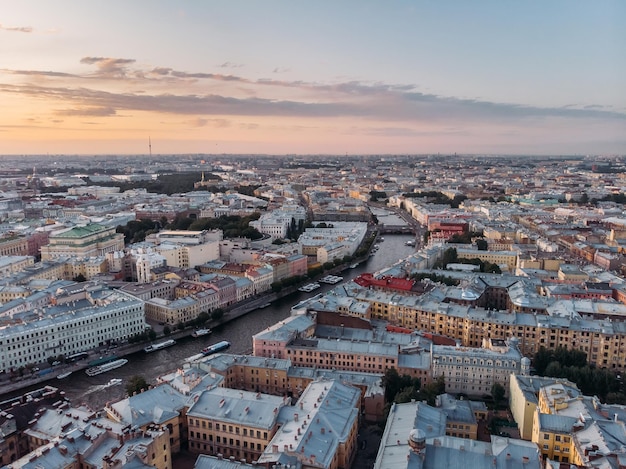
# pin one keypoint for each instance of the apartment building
(416, 437)
(78, 319)
(319, 431)
(233, 423)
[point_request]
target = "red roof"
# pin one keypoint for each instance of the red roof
(388, 282)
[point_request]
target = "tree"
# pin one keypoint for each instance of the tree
(217, 314)
(481, 244)
(151, 334)
(80, 278)
(167, 330)
(136, 384)
(497, 392)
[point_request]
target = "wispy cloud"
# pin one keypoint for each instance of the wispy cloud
(268, 97)
(16, 29)
(230, 65)
(109, 67)
(85, 111)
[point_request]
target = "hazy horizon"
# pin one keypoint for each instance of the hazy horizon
(280, 78)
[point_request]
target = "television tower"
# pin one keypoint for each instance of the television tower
(150, 146)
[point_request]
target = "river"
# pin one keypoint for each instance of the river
(94, 391)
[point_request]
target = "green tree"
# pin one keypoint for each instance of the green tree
(497, 392)
(151, 334)
(481, 244)
(217, 314)
(167, 330)
(80, 278)
(136, 384)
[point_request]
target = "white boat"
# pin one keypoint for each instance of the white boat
(201, 332)
(331, 279)
(99, 369)
(159, 346)
(215, 348)
(309, 287)
(114, 382)
(194, 358)
(354, 266)
(64, 375)
(265, 305)
(410, 243)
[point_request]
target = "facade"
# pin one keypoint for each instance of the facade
(74, 321)
(524, 399)
(83, 241)
(14, 246)
(233, 423)
(11, 264)
(474, 371)
(339, 342)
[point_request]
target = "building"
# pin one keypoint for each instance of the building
(78, 318)
(414, 438)
(92, 240)
(233, 423)
(320, 431)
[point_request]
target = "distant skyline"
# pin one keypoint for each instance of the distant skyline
(313, 77)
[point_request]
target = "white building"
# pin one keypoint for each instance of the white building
(82, 317)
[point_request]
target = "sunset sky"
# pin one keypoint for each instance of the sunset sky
(312, 77)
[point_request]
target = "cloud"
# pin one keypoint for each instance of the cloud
(96, 111)
(38, 73)
(203, 122)
(230, 65)
(109, 67)
(18, 29)
(271, 97)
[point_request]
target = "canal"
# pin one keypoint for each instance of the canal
(95, 392)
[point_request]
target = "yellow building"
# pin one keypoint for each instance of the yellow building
(233, 423)
(92, 240)
(552, 434)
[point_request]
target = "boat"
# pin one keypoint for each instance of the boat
(354, 266)
(102, 360)
(410, 243)
(215, 348)
(331, 279)
(114, 382)
(265, 305)
(64, 375)
(309, 287)
(159, 346)
(99, 369)
(201, 332)
(194, 358)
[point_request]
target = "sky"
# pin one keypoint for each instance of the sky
(313, 77)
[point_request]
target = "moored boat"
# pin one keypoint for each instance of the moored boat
(215, 348)
(64, 375)
(201, 332)
(309, 287)
(159, 346)
(99, 369)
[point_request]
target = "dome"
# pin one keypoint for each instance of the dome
(417, 436)
(525, 361)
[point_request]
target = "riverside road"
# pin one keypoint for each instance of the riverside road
(95, 391)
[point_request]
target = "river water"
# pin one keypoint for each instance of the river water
(95, 392)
